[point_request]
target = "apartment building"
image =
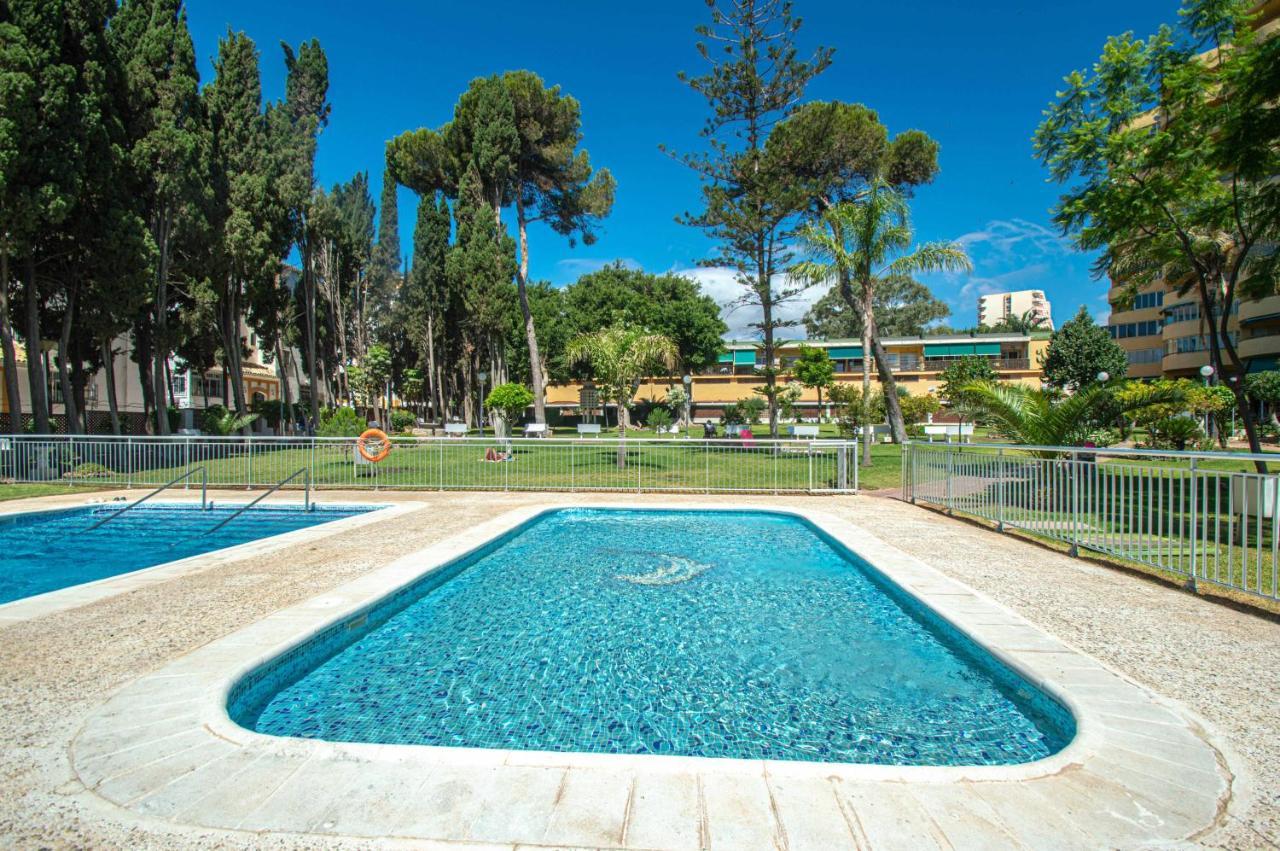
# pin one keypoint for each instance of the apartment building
(917, 364)
(1164, 334)
(189, 388)
(994, 308)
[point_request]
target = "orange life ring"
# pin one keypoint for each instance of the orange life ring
(369, 435)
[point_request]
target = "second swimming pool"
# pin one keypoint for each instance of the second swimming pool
(709, 633)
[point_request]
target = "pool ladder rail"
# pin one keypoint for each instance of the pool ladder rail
(306, 499)
(204, 492)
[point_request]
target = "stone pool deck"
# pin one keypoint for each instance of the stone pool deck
(118, 665)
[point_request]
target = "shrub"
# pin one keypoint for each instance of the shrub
(402, 420)
(340, 422)
(220, 422)
(732, 414)
(1174, 433)
(752, 408)
(89, 470)
(659, 418)
(509, 400)
(271, 410)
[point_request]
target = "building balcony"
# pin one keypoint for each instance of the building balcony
(1184, 362)
(1260, 311)
(1260, 345)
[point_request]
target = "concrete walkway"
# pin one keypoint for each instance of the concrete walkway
(57, 671)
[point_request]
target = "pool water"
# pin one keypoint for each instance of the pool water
(45, 551)
(709, 633)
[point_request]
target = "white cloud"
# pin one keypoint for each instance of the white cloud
(721, 283)
(1015, 236)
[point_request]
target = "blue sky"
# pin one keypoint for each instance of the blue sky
(973, 75)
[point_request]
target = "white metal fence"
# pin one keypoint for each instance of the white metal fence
(446, 463)
(1207, 516)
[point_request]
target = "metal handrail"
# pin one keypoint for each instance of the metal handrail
(204, 490)
(306, 503)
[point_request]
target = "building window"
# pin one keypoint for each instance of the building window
(1145, 300)
(1194, 343)
(1145, 356)
(1124, 330)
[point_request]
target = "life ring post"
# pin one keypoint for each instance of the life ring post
(372, 436)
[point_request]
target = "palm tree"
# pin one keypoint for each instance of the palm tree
(619, 359)
(1026, 323)
(861, 242)
(1035, 417)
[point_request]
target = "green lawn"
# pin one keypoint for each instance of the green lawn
(15, 491)
(677, 464)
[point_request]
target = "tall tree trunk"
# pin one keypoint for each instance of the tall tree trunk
(11, 387)
(142, 335)
(530, 333)
(286, 403)
(109, 376)
(892, 405)
(434, 390)
(69, 411)
(868, 431)
(1220, 341)
(231, 355)
(309, 312)
(35, 362)
(160, 339)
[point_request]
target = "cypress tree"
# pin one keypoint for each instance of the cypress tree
(168, 141)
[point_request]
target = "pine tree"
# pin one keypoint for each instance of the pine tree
(751, 199)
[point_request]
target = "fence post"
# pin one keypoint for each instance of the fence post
(1075, 503)
(572, 473)
(128, 453)
(1195, 530)
(1000, 477)
(951, 466)
(249, 486)
(775, 467)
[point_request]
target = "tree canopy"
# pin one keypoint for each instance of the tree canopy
(1079, 351)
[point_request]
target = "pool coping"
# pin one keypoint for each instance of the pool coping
(144, 746)
(73, 596)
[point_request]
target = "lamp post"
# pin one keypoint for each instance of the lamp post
(1206, 372)
(1104, 377)
(687, 380)
(483, 376)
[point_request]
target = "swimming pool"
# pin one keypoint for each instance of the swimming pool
(47, 550)
(712, 633)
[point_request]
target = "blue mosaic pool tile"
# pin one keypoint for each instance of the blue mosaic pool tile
(729, 634)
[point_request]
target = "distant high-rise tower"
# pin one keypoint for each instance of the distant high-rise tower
(998, 306)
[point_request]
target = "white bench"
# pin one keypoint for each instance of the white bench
(536, 430)
(455, 429)
(588, 428)
(948, 430)
(804, 431)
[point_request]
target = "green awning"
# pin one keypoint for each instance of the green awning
(845, 353)
(747, 358)
(956, 350)
(725, 357)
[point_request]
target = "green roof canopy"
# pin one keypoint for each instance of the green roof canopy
(955, 350)
(845, 352)
(744, 358)
(725, 357)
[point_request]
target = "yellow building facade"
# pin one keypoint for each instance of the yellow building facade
(917, 364)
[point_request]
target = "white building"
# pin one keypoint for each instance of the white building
(998, 306)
